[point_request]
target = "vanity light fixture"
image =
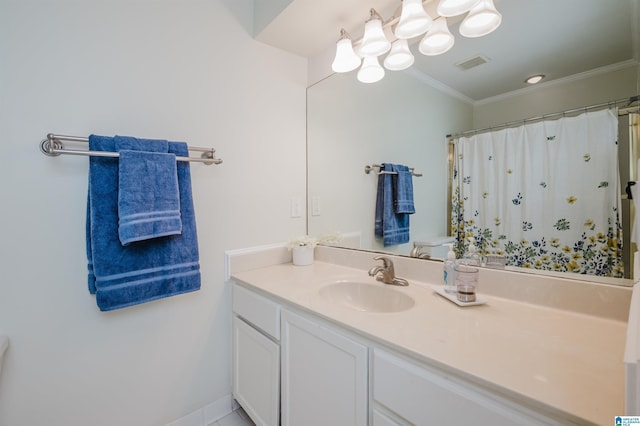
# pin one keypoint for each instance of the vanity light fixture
(438, 39)
(535, 79)
(374, 41)
(413, 20)
(482, 18)
(346, 59)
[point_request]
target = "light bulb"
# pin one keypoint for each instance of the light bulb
(481, 20)
(370, 71)
(438, 39)
(400, 57)
(455, 7)
(413, 20)
(346, 59)
(374, 41)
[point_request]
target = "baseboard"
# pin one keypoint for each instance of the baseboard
(208, 414)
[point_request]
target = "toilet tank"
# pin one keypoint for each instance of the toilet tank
(4, 343)
(432, 247)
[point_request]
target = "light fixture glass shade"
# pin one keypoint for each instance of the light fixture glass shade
(455, 7)
(346, 59)
(400, 57)
(413, 20)
(438, 39)
(370, 71)
(374, 42)
(481, 20)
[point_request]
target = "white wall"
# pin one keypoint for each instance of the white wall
(183, 70)
(607, 84)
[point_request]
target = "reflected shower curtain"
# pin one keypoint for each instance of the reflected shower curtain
(546, 195)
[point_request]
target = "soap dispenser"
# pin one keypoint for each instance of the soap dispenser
(472, 257)
(450, 271)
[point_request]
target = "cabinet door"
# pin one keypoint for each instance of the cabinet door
(381, 419)
(256, 373)
(324, 375)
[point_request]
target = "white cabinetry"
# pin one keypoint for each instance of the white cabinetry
(324, 375)
(422, 395)
(256, 356)
(294, 369)
(382, 419)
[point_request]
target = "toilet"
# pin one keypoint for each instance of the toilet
(432, 247)
(4, 343)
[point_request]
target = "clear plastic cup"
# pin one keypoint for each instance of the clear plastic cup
(466, 282)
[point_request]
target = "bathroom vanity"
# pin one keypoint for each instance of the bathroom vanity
(311, 347)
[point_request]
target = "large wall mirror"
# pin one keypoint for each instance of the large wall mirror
(406, 117)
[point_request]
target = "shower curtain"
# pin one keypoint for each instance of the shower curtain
(545, 195)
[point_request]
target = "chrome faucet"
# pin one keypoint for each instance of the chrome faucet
(417, 252)
(386, 272)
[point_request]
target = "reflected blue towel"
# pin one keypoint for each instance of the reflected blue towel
(403, 190)
(392, 227)
(122, 276)
(148, 195)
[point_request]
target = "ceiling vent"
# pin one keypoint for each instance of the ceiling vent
(472, 62)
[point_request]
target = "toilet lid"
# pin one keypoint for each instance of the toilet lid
(433, 241)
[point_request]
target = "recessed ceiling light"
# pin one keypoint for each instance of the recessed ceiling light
(535, 79)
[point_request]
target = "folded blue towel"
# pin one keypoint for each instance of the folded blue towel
(403, 190)
(392, 227)
(122, 276)
(148, 196)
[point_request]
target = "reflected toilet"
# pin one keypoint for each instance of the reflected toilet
(431, 247)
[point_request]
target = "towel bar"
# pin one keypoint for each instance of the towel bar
(53, 146)
(369, 168)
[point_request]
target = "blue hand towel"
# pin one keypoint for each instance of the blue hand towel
(122, 276)
(148, 195)
(403, 190)
(392, 227)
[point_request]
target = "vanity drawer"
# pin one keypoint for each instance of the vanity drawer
(257, 310)
(423, 395)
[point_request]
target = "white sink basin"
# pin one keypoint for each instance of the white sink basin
(365, 297)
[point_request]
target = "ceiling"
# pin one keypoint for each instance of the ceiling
(558, 38)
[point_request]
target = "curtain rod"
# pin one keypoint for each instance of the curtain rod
(53, 146)
(628, 101)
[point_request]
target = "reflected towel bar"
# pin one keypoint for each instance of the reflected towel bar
(369, 168)
(53, 147)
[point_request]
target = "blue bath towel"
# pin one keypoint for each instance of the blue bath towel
(392, 227)
(403, 190)
(122, 276)
(148, 195)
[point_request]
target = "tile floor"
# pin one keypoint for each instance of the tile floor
(236, 418)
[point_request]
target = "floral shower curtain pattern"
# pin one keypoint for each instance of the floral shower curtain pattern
(546, 195)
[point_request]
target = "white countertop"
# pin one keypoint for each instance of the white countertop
(548, 358)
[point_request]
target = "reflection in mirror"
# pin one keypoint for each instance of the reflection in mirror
(350, 126)
(404, 119)
(546, 194)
